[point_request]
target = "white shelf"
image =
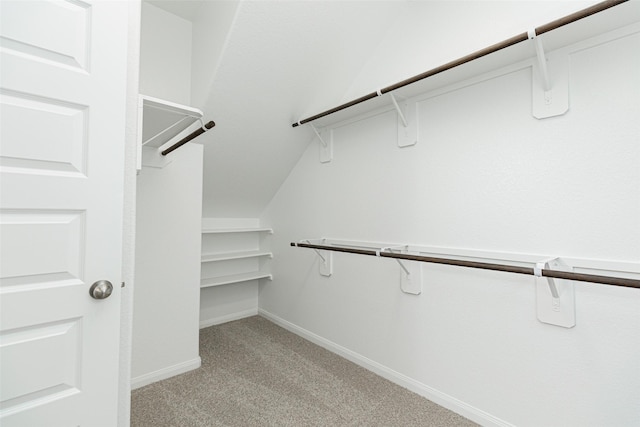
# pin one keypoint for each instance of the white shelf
(159, 122)
(236, 278)
(164, 120)
(234, 255)
(237, 230)
(237, 242)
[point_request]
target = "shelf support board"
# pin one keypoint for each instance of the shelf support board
(410, 274)
(407, 121)
(550, 85)
(555, 298)
(326, 143)
(164, 120)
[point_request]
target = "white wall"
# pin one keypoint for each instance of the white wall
(432, 33)
(165, 55)
(226, 303)
(212, 29)
(262, 65)
(485, 175)
(280, 61)
(169, 211)
(167, 292)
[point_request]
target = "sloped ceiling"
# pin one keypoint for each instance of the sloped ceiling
(187, 9)
(280, 60)
(258, 66)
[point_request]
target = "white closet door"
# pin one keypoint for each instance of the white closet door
(62, 94)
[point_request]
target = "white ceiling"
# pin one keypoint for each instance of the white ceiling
(187, 9)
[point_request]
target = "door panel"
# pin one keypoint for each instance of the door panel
(54, 252)
(42, 346)
(56, 144)
(64, 30)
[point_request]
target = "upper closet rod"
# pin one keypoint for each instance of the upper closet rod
(476, 55)
(188, 138)
(555, 274)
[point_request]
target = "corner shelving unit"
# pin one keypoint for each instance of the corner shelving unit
(234, 261)
(160, 121)
(233, 256)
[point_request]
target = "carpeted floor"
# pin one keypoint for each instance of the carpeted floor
(255, 373)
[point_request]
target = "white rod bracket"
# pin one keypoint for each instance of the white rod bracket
(407, 122)
(326, 146)
(203, 126)
(549, 100)
(318, 134)
(165, 130)
(151, 157)
(407, 272)
(542, 60)
(316, 251)
(555, 298)
(325, 267)
(410, 274)
(390, 249)
(400, 114)
(544, 265)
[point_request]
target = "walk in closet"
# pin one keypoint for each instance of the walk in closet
(445, 193)
(488, 174)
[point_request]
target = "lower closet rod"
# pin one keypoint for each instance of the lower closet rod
(568, 275)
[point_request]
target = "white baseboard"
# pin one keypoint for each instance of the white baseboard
(164, 373)
(442, 399)
(228, 318)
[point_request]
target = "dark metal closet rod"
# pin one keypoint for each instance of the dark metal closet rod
(599, 7)
(188, 138)
(568, 275)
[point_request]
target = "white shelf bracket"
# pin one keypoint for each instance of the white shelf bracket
(151, 157)
(537, 271)
(555, 298)
(550, 86)
(325, 267)
(159, 122)
(542, 61)
(318, 135)
(410, 274)
(407, 122)
(176, 125)
(326, 146)
(400, 114)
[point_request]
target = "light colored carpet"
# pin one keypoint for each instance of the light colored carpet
(255, 373)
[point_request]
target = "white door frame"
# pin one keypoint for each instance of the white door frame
(129, 216)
